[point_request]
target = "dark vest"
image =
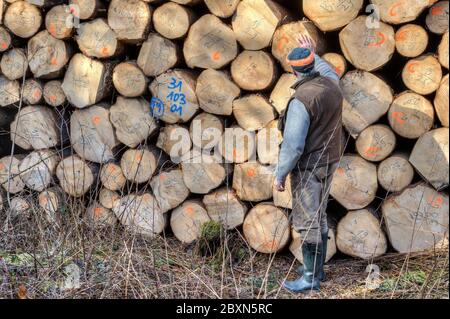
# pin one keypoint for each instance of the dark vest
(323, 101)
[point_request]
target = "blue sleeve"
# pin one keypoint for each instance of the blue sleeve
(325, 69)
(294, 139)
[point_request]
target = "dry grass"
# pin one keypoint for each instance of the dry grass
(117, 264)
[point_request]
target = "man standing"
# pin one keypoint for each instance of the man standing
(311, 149)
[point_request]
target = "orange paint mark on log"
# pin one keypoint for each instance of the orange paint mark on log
(96, 120)
(189, 211)
(270, 244)
(98, 212)
(3, 45)
(138, 157)
(394, 7)
(340, 170)
(401, 36)
(2, 166)
(282, 42)
(52, 29)
(399, 117)
(411, 67)
(44, 201)
(380, 42)
(52, 99)
(436, 201)
(371, 151)
(339, 70)
(162, 177)
(111, 168)
(53, 61)
(437, 10)
(251, 172)
(216, 56)
(234, 153)
(37, 94)
(105, 51)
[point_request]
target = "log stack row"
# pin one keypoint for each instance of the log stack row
(130, 106)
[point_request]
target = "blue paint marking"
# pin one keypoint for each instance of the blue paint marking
(178, 99)
(156, 107)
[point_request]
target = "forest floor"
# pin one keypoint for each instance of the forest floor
(38, 260)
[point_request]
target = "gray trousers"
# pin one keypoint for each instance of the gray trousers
(310, 193)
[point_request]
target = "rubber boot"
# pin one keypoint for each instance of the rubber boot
(321, 276)
(312, 266)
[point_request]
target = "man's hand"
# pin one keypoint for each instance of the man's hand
(306, 42)
(279, 186)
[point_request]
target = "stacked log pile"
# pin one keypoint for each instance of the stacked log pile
(163, 114)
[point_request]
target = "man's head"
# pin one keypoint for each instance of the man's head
(301, 60)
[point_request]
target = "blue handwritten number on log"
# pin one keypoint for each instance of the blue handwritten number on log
(157, 107)
(178, 99)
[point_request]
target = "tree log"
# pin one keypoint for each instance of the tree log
(175, 141)
(92, 134)
(5, 38)
(210, 44)
(52, 201)
(174, 98)
(97, 40)
(443, 51)
(86, 81)
(132, 120)
(32, 91)
(19, 206)
(98, 216)
(366, 48)
(206, 131)
(411, 115)
(224, 206)
(47, 56)
(38, 168)
(255, 22)
(129, 80)
(23, 19)
(441, 102)
(138, 165)
(366, 99)
(157, 55)
(331, 15)
(9, 91)
(75, 176)
(107, 198)
(35, 127)
(85, 9)
(417, 219)
(430, 157)
(376, 143)
(238, 145)
(202, 177)
(359, 234)
(337, 62)
(59, 22)
(216, 92)
(222, 8)
(355, 182)
(268, 141)
(411, 40)
(253, 112)
(140, 214)
(266, 229)
(130, 19)
(399, 12)
(286, 37)
(254, 70)
(423, 75)
(14, 64)
(395, 173)
(253, 182)
(10, 174)
(297, 241)
(172, 20)
(437, 18)
(112, 177)
(187, 220)
(283, 92)
(169, 189)
(54, 94)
